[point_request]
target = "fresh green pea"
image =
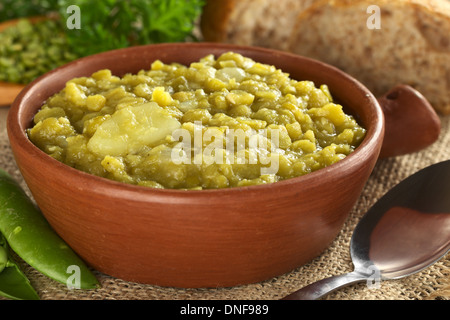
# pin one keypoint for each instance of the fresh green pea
(31, 237)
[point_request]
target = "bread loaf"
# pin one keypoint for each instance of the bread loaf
(407, 41)
(265, 23)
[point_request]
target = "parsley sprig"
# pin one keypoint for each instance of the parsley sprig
(112, 24)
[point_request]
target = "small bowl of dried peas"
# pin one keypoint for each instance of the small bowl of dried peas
(29, 47)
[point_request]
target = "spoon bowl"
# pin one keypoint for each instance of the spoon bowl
(406, 231)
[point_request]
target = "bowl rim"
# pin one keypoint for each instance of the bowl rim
(17, 134)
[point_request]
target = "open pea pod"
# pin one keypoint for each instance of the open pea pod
(31, 237)
(13, 282)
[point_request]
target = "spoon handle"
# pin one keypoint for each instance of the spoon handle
(322, 287)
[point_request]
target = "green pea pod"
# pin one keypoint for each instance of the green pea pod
(13, 283)
(3, 255)
(31, 237)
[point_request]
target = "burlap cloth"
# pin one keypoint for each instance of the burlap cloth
(431, 283)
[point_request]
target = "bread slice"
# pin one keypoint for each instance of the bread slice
(411, 47)
(265, 23)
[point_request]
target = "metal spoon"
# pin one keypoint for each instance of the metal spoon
(406, 231)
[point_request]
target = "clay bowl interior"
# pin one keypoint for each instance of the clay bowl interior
(209, 238)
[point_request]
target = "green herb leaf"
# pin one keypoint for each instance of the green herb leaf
(113, 24)
(12, 9)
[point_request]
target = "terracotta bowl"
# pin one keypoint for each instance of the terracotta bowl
(210, 238)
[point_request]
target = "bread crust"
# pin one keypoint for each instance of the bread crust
(214, 19)
(265, 23)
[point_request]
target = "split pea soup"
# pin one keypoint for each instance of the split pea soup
(220, 122)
